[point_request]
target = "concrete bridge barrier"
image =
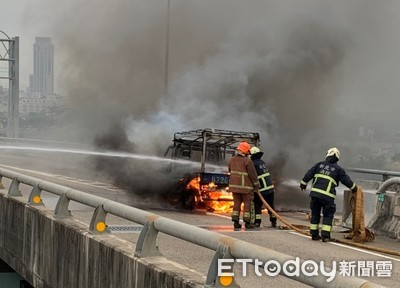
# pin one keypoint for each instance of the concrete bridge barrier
(381, 207)
(52, 249)
(370, 199)
(386, 220)
(50, 252)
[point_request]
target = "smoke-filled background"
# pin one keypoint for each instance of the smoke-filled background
(307, 75)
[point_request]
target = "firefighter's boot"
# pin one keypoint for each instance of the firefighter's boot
(237, 225)
(248, 225)
(327, 239)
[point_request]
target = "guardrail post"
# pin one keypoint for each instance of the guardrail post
(14, 188)
(61, 211)
(34, 197)
(147, 242)
(98, 223)
(213, 280)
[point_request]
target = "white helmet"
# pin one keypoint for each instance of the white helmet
(333, 152)
(254, 150)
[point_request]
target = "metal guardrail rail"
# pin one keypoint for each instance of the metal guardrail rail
(225, 247)
(385, 174)
(385, 185)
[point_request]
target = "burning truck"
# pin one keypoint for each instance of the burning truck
(206, 187)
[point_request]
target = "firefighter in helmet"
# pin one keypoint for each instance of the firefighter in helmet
(266, 187)
(325, 176)
(243, 182)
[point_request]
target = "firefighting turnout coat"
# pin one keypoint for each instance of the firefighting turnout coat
(326, 176)
(243, 176)
(265, 179)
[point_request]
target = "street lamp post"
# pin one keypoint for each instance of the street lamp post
(11, 54)
(166, 52)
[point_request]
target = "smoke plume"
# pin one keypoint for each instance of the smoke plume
(277, 68)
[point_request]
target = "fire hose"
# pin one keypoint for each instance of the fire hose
(359, 232)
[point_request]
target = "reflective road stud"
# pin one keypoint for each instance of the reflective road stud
(36, 199)
(101, 226)
(225, 280)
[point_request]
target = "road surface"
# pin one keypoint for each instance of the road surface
(74, 171)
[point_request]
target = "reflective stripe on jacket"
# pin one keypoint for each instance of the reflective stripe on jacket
(264, 176)
(243, 175)
(326, 176)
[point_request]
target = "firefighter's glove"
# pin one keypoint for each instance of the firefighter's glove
(303, 187)
(354, 189)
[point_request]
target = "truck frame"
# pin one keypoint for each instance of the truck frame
(211, 149)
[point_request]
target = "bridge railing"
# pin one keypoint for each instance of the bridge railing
(384, 173)
(225, 247)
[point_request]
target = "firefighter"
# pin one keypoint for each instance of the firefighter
(243, 183)
(266, 187)
(326, 176)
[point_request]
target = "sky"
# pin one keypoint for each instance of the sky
(293, 70)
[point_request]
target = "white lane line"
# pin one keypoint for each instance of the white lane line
(247, 231)
(218, 215)
(32, 171)
(67, 179)
(353, 248)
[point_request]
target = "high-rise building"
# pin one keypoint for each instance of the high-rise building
(42, 79)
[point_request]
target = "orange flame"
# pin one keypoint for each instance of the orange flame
(211, 197)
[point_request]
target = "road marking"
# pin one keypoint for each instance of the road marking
(256, 229)
(69, 179)
(353, 248)
(218, 215)
(32, 171)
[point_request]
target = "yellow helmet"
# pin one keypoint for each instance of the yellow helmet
(254, 150)
(333, 152)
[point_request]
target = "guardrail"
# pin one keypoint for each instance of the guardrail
(385, 185)
(385, 174)
(225, 247)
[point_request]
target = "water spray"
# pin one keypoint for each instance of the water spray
(108, 154)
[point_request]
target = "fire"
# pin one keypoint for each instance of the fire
(211, 197)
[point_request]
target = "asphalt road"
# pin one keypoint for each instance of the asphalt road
(74, 171)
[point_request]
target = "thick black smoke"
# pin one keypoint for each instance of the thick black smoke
(153, 181)
(277, 68)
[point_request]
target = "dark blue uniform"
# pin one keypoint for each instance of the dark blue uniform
(326, 176)
(266, 189)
